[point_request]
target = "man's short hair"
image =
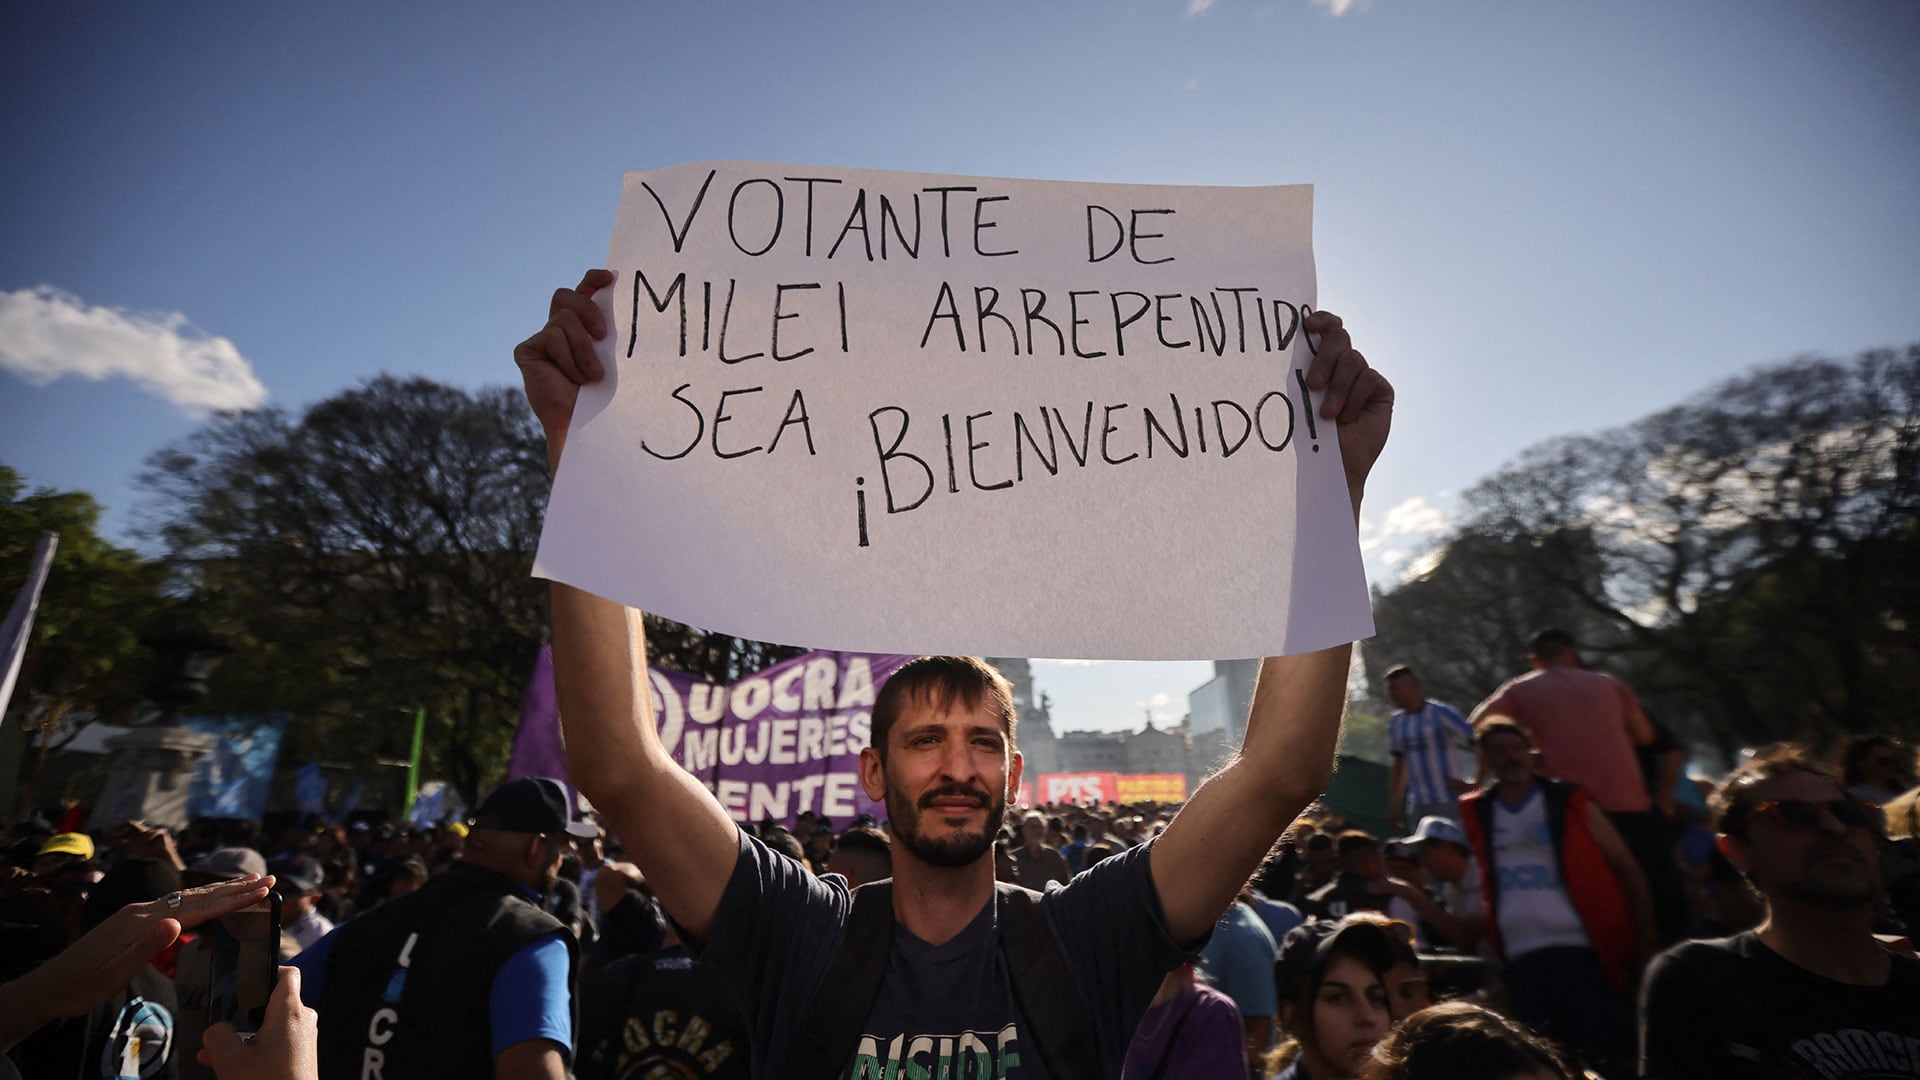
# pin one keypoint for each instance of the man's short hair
(941, 682)
(1490, 728)
(1551, 643)
(865, 838)
(1398, 671)
(1357, 841)
(787, 844)
(1733, 802)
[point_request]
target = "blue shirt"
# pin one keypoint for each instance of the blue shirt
(1424, 740)
(1238, 961)
(1280, 916)
(528, 999)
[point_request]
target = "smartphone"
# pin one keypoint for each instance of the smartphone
(246, 967)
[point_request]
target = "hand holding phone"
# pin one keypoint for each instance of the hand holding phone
(286, 1047)
(243, 977)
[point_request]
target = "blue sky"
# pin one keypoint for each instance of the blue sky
(1538, 218)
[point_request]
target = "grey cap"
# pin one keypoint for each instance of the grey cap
(1435, 827)
(228, 864)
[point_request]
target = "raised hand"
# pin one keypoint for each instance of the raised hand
(559, 359)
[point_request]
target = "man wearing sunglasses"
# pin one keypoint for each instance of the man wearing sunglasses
(1811, 992)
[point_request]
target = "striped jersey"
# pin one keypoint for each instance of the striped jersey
(1424, 740)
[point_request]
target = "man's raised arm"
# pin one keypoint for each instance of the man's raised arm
(1286, 758)
(678, 834)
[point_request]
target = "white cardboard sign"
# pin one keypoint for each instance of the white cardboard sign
(900, 412)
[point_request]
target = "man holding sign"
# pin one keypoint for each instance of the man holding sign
(940, 970)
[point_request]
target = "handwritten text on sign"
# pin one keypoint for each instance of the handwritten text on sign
(903, 412)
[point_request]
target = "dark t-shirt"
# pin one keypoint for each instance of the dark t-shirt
(947, 1009)
(1343, 896)
(658, 1015)
(1734, 1008)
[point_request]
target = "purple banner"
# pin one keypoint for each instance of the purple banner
(537, 749)
(774, 744)
(780, 741)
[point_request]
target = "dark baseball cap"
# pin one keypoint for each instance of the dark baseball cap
(298, 875)
(1307, 948)
(531, 804)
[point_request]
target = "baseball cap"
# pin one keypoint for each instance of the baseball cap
(298, 875)
(68, 843)
(1307, 948)
(1435, 827)
(531, 804)
(1401, 849)
(227, 864)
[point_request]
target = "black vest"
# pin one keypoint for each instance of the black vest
(408, 982)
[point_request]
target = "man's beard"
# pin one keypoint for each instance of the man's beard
(959, 849)
(1814, 885)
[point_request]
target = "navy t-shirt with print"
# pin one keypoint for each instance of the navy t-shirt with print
(778, 928)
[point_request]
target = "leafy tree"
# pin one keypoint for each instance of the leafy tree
(365, 559)
(85, 657)
(372, 556)
(1747, 557)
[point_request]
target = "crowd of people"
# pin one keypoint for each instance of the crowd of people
(1516, 932)
(1574, 907)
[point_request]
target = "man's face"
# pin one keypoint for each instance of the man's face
(1033, 830)
(49, 866)
(945, 781)
(1322, 860)
(552, 849)
(1886, 767)
(1405, 692)
(1443, 861)
(1509, 757)
(1369, 863)
(1827, 863)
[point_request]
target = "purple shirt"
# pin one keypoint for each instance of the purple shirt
(1196, 1033)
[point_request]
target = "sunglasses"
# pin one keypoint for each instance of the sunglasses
(1801, 814)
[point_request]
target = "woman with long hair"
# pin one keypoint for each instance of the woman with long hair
(1333, 999)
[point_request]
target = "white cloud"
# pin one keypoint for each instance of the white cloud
(1414, 517)
(1158, 705)
(1197, 8)
(1422, 564)
(1192, 85)
(1337, 8)
(47, 334)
